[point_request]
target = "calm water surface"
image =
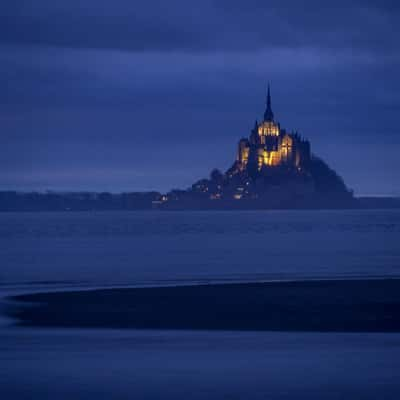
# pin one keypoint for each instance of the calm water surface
(161, 247)
(63, 250)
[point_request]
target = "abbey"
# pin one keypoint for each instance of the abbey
(274, 168)
(270, 146)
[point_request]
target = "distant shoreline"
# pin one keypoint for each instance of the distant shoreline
(325, 306)
(11, 201)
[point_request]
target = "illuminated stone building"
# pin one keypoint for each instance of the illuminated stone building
(274, 168)
(271, 146)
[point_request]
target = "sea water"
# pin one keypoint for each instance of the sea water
(58, 251)
(133, 248)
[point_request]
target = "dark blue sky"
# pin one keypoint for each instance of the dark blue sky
(127, 95)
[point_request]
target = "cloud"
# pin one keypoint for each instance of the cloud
(157, 25)
(42, 76)
(173, 85)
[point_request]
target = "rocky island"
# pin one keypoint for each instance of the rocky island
(274, 168)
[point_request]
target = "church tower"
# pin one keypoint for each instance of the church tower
(270, 146)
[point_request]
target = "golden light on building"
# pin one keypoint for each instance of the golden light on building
(286, 148)
(270, 158)
(269, 146)
(268, 128)
(245, 155)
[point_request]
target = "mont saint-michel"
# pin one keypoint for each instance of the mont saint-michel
(274, 168)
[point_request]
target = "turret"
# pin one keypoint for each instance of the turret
(254, 134)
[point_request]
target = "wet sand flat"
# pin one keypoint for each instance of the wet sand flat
(331, 306)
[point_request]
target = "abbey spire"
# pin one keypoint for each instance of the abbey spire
(268, 115)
